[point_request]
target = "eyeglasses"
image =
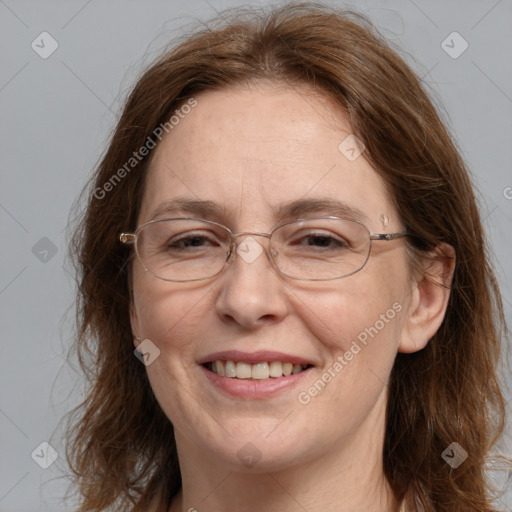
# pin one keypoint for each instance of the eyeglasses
(313, 249)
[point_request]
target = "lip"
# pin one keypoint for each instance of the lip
(249, 389)
(259, 356)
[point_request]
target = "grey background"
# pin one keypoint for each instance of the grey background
(57, 114)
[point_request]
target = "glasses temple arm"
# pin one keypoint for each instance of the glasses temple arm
(127, 238)
(388, 236)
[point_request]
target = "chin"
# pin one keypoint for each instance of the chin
(258, 448)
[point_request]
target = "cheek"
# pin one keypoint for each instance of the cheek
(359, 336)
(171, 317)
(359, 326)
(166, 312)
(355, 309)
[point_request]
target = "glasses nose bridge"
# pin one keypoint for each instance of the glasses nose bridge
(249, 233)
(246, 234)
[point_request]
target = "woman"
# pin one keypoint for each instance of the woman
(284, 231)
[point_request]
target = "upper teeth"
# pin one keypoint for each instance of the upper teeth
(263, 370)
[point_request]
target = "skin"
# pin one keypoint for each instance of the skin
(250, 148)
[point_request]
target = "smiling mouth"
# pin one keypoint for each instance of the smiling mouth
(258, 371)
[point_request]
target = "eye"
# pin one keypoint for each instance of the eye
(192, 240)
(321, 240)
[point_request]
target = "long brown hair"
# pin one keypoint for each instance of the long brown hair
(121, 445)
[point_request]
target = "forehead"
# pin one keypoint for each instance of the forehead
(253, 148)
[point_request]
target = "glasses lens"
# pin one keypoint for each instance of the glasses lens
(313, 249)
(183, 249)
(320, 249)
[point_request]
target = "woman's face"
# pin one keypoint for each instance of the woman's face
(250, 151)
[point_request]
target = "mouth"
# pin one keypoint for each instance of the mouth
(254, 375)
(260, 371)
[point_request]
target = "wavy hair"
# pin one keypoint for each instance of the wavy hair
(121, 446)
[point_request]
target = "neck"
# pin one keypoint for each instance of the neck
(347, 477)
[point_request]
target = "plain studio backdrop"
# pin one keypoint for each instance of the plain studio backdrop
(66, 69)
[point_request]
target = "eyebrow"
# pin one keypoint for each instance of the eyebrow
(210, 210)
(331, 207)
(181, 205)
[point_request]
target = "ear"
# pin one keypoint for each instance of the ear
(429, 299)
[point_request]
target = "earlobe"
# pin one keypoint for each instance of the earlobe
(429, 300)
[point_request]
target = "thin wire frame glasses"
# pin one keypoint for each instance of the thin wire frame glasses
(312, 249)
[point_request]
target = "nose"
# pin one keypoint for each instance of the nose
(252, 293)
